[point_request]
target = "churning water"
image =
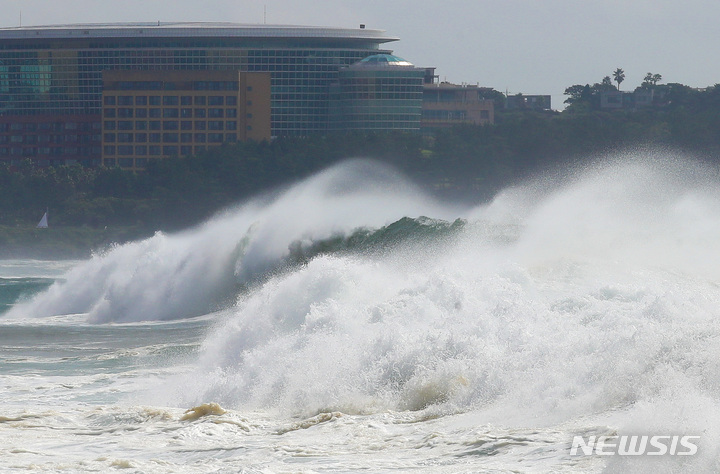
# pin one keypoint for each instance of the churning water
(351, 323)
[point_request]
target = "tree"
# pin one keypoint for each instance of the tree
(577, 93)
(619, 76)
(605, 86)
(651, 80)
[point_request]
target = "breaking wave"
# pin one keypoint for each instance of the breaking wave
(202, 270)
(594, 296)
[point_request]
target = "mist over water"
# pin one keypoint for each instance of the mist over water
(588, 303)
(194, 272)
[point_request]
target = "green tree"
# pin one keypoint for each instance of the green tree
(577, 93)
(651, 80)
(619, 76)
(607, 84)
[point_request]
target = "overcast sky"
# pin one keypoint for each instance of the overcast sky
(528, 46)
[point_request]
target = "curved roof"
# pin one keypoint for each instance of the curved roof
(191, 29)
(382, 61)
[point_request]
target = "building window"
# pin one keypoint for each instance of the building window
(141, 100)
(170, 150)
(216, 100)
(230, 100)
(125, 150)
(170, 125)
(170, 100)
(141, 149)
(155, 125)
(141, 113)
(186, 100)
(109, 125)
(215, 137)
(155, 113)
(109, 137)
(200, 113)
(200, 100)
(170, 137)
(125, 125)
(200, 138)
(186, 125)
(141, 125)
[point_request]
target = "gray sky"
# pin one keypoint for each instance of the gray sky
(528, 46)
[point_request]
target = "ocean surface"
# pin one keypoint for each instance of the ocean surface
(350, 323)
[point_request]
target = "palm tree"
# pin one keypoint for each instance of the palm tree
(619, 76)
(651, 79)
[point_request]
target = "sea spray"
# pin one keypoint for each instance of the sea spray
(194, 272)
(598, 301)
(584, 307)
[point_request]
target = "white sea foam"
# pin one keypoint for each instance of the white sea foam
(588, 305)
(601, 304)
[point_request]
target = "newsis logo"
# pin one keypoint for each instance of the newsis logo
(627, 445)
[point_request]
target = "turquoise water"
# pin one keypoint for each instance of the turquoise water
(14, 289)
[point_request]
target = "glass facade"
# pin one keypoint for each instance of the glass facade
(57, 71)
(380, 93)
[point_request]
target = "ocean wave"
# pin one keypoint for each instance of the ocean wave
(201, 270)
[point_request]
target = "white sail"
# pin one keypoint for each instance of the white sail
(43, 224)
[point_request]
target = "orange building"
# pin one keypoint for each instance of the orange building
(445, 105)
(160, 114)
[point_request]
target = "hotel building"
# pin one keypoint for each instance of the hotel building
(53, 80)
